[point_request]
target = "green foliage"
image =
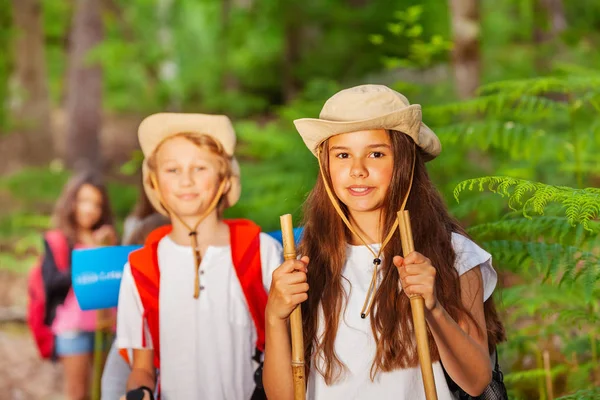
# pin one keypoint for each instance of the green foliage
(580, 205)
(35, 185)
(541, 128)
(286, 169)
(583, 395)
(421, 51)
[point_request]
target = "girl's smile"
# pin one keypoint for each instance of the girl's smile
(361, 166)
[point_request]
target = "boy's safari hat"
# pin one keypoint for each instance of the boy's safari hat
(157, 127)
(368, 107)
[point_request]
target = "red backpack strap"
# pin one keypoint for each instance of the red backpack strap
(146, 275)
(59, 245)
(245, 252)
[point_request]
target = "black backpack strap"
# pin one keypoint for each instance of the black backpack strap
(259, 391)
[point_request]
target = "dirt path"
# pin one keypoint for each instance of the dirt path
(23, 375)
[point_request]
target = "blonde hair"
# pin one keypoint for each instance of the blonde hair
(202, 141)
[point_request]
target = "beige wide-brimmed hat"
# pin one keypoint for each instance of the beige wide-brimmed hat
(368, 107)
(157, 127)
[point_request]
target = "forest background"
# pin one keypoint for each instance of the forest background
(511, 87)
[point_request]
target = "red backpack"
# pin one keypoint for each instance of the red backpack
(245, 252)
(36, 309)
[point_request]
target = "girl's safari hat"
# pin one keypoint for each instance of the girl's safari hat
(157, 127)
(368, 107)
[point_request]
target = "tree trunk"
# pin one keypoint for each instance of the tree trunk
(292, 32)
(549, 22)
(5, 59)
(30, 100)
(466, 54)
(168, 68)
(84, 93)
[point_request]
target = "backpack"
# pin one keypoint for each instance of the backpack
(245, 251)
(36, 291)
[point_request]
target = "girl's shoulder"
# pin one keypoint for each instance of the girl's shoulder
(470, 255)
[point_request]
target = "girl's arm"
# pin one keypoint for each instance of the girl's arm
(277, 369)
(288, 289)
(463, 347)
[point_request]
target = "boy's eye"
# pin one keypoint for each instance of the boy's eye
(171, 170)
(199, 168)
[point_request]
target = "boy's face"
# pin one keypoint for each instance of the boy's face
(188, 176)
(361, 165)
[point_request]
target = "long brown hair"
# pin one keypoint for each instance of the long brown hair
(64, 211)
(324, 242)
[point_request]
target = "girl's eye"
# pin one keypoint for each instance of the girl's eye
(342, 155)
(171, 170)
(377, 154)
(200, 168)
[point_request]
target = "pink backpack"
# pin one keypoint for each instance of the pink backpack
(36, 309)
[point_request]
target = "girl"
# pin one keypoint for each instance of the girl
(83, 215)
(184, 304)
(353, 284)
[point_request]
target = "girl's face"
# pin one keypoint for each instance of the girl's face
(88, 206)
(361, 166)
(188, 176)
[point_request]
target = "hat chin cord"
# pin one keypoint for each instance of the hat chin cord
(192, 231)
(373, 287)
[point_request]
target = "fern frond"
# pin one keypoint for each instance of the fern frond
(517, 139)
(589, 394)
(541, 85)
(554, 229)
(499, 104)
(580, 205)
(533, 374)
(549, 259)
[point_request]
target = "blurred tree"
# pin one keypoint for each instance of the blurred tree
(84, 92)
(291, 52)
(554, 11)
(466, 55)
(30, 100)
(549, 21)
(5, 58)
(168, 68)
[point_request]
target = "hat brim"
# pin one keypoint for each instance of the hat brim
(155, 128)
(232, 195)
(315, 131)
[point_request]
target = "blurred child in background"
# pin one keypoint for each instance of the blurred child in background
(83, 215)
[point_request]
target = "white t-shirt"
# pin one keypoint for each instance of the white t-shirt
(355, 345)
(206, 344)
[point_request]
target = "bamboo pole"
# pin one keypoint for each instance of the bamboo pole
(548, 375)
(417, 304)
(289, 253)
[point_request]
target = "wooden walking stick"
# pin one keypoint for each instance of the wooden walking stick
(417, 304)
(289, 253)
